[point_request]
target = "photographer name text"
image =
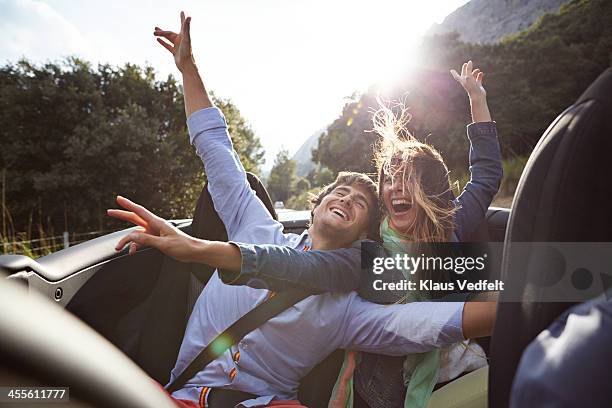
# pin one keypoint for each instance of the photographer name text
(430, 285)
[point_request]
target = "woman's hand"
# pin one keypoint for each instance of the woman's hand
(179, 44)
(470, 80)
(155, 232)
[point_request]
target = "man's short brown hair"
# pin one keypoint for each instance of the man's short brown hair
(350, 178)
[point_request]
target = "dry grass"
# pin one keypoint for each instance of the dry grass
(23, 244)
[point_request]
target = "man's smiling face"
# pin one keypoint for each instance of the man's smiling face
(345, 212)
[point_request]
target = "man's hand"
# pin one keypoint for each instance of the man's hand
(160, 234)
(471, 81)
(478, 319)
(155, 232)
(179, 44)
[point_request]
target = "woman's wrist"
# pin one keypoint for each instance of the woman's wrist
(480, 109)
(477, 98)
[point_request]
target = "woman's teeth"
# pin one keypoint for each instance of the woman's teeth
(401, 205)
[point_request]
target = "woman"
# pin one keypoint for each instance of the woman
(416, 194)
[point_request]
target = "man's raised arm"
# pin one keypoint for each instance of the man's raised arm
(179, 45)
(234, 201)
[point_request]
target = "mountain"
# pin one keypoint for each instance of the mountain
(488, 21)
(303, 156)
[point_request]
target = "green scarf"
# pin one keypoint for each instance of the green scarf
(420, 370)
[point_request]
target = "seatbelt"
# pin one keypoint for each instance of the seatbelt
(257, 316)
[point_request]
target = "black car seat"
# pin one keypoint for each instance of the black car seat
(563, 196)
(177, 291)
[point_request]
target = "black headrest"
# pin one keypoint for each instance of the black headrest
(563, 196)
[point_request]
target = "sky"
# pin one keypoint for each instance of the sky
(288, 65)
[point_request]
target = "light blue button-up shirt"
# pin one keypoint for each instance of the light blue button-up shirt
(274, 357)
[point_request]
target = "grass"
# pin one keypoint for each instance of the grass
(23, 244)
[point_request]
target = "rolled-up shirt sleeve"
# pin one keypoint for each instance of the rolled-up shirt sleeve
(401, 329)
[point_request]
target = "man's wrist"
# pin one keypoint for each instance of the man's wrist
(189, 68)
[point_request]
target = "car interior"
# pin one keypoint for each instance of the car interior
(141, 303)
(563, 196)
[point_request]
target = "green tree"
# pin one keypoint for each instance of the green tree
(282, 178)
(302, 185)
(346, 145)
(73, 137)
(302, 200)
(247, 145)
(321, 176)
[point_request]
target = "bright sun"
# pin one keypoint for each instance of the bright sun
(377, 40)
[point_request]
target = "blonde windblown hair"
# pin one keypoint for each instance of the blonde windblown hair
(423, 171)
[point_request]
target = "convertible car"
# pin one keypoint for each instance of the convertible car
(106, 324)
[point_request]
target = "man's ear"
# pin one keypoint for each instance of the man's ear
(312, 215)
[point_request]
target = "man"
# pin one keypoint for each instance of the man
(269, 362)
